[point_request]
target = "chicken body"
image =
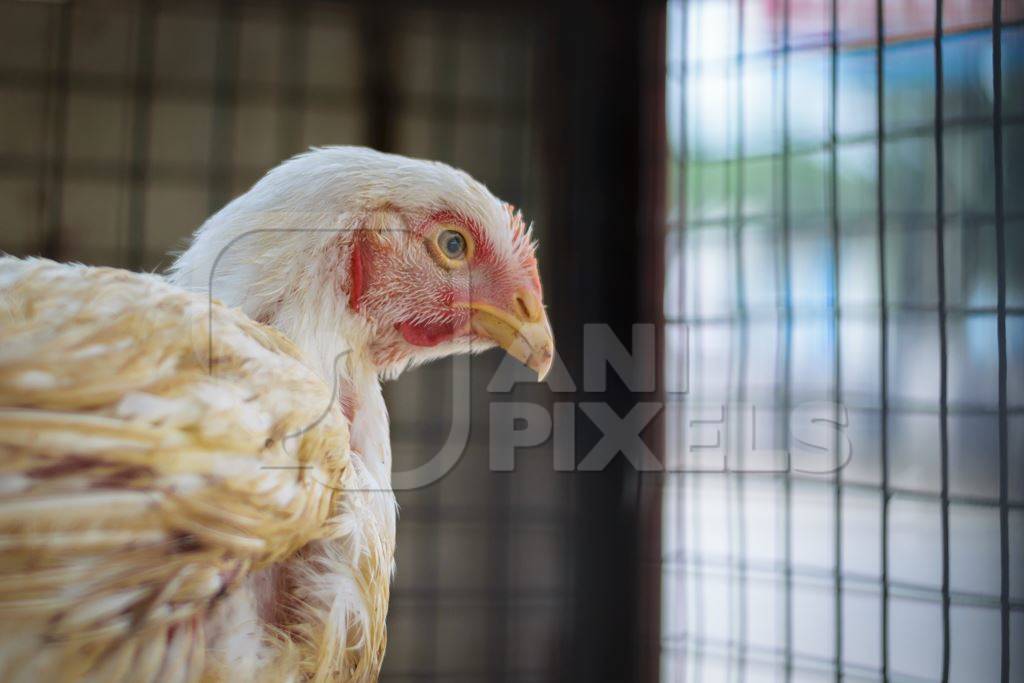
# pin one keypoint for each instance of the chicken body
(177, 495)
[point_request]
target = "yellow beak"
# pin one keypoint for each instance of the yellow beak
(525, 333)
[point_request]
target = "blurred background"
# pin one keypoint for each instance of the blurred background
(845, 225)
(812, 200)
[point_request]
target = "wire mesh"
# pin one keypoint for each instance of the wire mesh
(841, 230)
(123, 124)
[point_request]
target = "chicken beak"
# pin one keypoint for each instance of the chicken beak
(524, 333)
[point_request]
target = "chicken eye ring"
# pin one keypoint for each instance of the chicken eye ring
(444, 233)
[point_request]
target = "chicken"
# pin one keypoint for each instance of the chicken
(201, 490)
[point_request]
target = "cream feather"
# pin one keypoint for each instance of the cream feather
(154, 496)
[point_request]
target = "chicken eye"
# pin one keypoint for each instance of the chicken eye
(452, 244)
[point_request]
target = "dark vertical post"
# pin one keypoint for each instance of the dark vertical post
(693, 645)
(591, 82)
(940, 258)
(787, 360)
(883, 357)
(653, 233)
(1004, 472)
(837, 389)
(680, 584)
(743, 321)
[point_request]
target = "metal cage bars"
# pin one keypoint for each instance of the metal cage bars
(739, 317)
(138, 85)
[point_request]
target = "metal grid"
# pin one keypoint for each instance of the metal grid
(843, 227)
(124, 124)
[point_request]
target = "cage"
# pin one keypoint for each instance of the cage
(799, 215)
(841, 250)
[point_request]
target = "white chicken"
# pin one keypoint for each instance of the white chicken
(193, 490)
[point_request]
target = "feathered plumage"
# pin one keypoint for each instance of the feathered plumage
(144, 481)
